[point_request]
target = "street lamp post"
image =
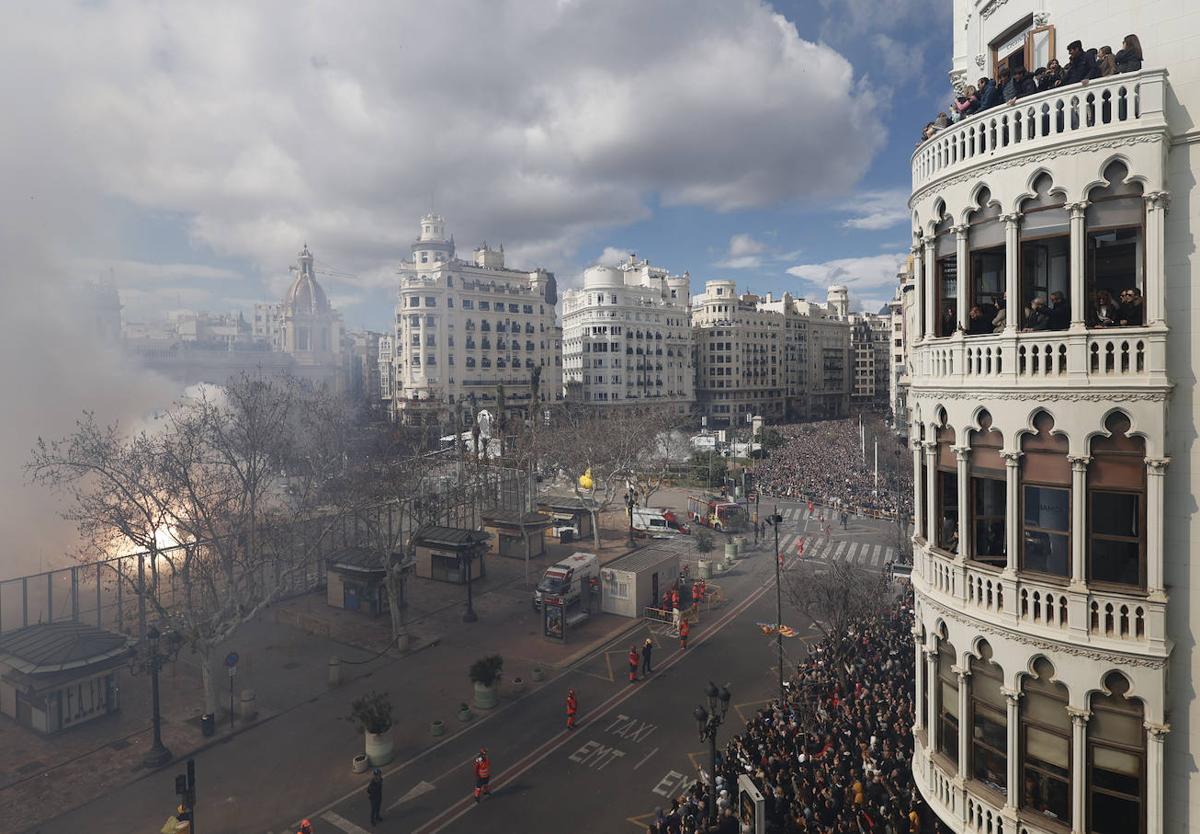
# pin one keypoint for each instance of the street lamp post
(630, 501)
(775, 520)
(151, 660)
(469, 616)
(709, 722)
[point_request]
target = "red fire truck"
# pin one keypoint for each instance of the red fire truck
(718, 513)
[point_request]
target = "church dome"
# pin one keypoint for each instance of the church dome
(305, 296)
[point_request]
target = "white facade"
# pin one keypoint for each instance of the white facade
(870, 344)
(1055, 518)
(465, 328)
(627, 338)
(901, 310)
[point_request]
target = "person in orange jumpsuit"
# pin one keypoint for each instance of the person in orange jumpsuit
(683, 634)
(483, 772)
(572, 708)
(634, 660)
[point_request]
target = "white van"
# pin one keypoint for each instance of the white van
(566, 578)
(657, 522)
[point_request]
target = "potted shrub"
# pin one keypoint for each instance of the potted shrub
(464, 713)
(372, 714)
(485, 674)
(518, 685)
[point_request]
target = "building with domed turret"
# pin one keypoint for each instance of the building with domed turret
(465, 328)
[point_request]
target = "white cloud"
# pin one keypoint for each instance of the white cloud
(871, 278)
(743, 244)
(612, 255)
(130, 273)
(745, 252)
(532, 122)
(875, 210)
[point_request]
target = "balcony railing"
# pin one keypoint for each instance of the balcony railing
(1065, 115)
(1042, 607)
(1126, 355)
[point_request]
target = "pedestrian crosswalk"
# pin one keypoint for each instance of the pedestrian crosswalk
(821, 549)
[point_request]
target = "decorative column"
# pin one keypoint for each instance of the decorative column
(919, 298)
(1079, 720)
(964, 732)
(931, 519)
(918, 679)
(931, 293)
(1012, 252)
(1012, 519)
(1156, 471)
(963, 453)
(961, 289)
(931, 701)
(1156, 737)
(1078, 300)
(1013, 697)
(1155, 296)
(1079, 465)
(918, 491)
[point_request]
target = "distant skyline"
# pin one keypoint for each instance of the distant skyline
(762, 142)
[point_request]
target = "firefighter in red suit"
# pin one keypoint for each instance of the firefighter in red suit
(634, 660)
(483, 772)
(683, 634)
(572, 708)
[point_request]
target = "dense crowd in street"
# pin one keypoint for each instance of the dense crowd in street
(823, 462)
(835, 757)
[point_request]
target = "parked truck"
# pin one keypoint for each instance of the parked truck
(718, 512)
(657, 522)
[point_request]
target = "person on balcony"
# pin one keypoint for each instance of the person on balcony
(977, 323)
(1132, 311)
(989, 94)
(1107, 62)
(1052, 77)
(1059, 312)
(1105, 313)
(1038, 318)
(948, 321)
(1000, 320)
(1081, 67)
(967, 103)
(1129, 58)
(1019, 85)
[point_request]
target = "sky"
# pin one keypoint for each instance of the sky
(185, 151)
(729, 138)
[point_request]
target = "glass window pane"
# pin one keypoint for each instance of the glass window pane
(1048, 508)
(1114, 815)
(1048, 791)
(1116, 514)
(1106, 725)
(1047, 748)
(1116, 561)
(949, 699)
(1045, 710)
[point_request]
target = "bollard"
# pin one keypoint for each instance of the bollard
(335, 671)
(248, 709)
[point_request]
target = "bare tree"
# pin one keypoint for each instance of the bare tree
(603, 445)
(653, 466)
(226, 475)
(838, 598)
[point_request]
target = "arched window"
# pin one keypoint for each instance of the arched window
(1116, 761)
(989, 721)
(1117, 506)
(945, 301)
(1045, 258)
(947, 490)
(1045, 500)
(947, 702)
(1115, 253)
(985, 238)
(989, 493)
(1045, 745)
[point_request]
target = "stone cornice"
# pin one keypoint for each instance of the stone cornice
(1035, 395)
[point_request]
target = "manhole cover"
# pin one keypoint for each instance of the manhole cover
(31, 767)
(119, 744)
(291, 665)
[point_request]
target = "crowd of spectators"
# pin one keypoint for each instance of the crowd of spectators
(1051, 314)
(835, 757)
(823, 462)
(1012, 84)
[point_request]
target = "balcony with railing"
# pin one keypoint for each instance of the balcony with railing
(1115, 357)
(1043, 606)
(1118, 104)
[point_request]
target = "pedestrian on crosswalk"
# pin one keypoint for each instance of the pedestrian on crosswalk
(647, 649)
(633, 664)
(572, 708)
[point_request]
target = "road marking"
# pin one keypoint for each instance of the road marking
(877, 558)
(738, 707)
(417, 790)
(343, 823)
(837, 554)
(645, 758)
(539, 754)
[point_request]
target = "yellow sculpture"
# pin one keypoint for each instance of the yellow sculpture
(585, 480)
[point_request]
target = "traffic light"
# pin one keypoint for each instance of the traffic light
(181, 787)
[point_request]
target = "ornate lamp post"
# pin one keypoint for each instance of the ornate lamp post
(709, 721)
(775, 520)
(630, 503)
(150, 659)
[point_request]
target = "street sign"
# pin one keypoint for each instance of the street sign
(231, 659)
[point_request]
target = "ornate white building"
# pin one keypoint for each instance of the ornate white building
(465, 328)
(1055, 518)
(627, 339)
(816, 354)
